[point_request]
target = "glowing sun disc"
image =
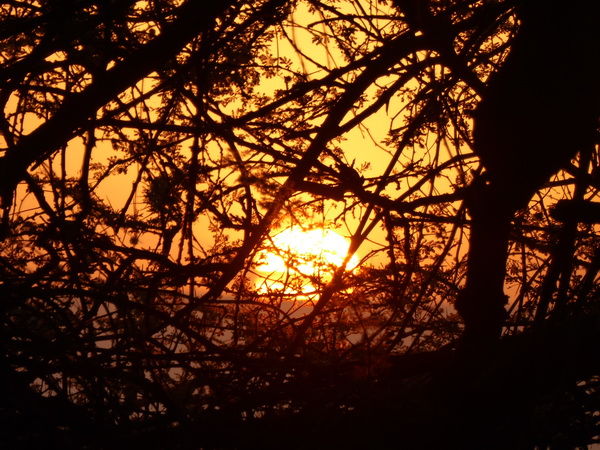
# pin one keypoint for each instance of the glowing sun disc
(309, 250)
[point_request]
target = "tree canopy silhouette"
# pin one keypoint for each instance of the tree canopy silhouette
(151, 153)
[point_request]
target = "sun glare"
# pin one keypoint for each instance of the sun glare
(312, 253)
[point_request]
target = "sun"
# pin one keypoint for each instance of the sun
(314, 254)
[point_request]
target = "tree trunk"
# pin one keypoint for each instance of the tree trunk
(536, 113)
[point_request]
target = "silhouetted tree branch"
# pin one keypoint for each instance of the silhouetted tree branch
(155, 153)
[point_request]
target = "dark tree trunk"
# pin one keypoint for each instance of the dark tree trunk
(481, 303)
(536, 113)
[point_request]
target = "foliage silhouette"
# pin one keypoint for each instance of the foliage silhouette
(151, 151)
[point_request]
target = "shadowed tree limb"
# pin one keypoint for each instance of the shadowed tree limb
(193, 18)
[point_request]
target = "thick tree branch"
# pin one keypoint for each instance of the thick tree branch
(193, 18)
